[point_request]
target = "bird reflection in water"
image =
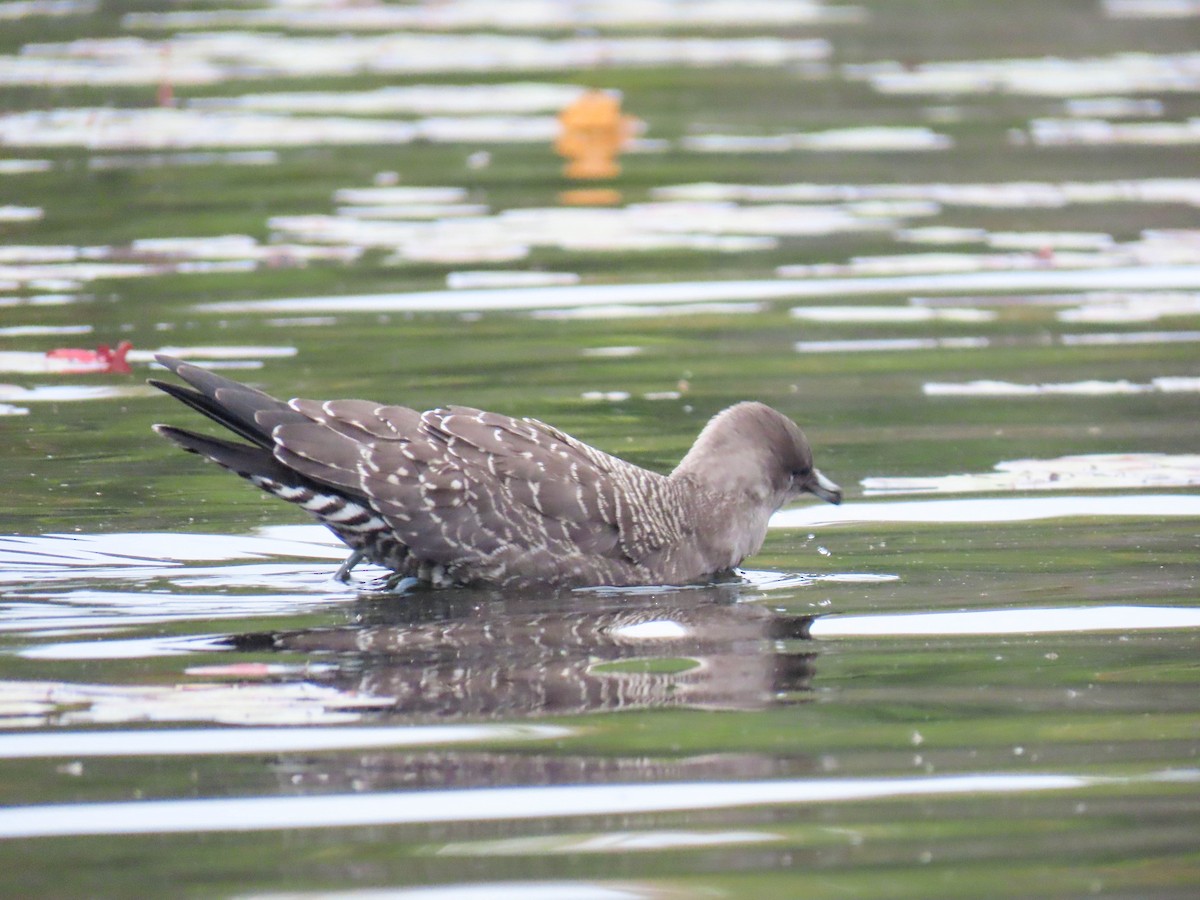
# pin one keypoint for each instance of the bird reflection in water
(477, 654)
(452, 655)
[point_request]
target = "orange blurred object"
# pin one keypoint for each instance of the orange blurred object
(103, 359)
(592, 131)
(589, 197)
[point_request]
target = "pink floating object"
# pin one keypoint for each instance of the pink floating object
(103, 359)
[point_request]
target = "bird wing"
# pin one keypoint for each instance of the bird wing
(459, 485)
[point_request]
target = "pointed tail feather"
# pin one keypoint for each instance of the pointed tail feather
(254, 463)
(225, 401)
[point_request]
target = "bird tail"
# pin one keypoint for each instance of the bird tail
(254, 463)
(254, 416)
(247, 412)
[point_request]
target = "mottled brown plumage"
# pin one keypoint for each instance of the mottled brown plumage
(462, 496)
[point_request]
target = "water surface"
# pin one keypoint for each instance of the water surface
(923, 234)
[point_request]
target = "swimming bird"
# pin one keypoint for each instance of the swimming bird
(459, 496)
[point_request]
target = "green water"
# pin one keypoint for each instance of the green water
(745, 693)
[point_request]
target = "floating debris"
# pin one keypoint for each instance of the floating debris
(592, 131)
(65, 360)
(1095, 471)
(75, 360)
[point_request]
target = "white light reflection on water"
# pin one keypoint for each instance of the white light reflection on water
(220, 741)
(891, 345)
(133, 648)
(1091, 388)
(214, 351)
(164, 581)
(62, 393)
(514, 15)
(159, 549)
(992, 622)
(991, 509)
(87, 612)
(1089, 471)
(515, 803)
(1119, 73)
(36, 704)
(1120, 278)
(894, 138)
(494, 890)
(611, 842)
(213, 58)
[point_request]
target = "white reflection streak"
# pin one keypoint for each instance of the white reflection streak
(991, 509)
(220, 741)
(484, 890)
(498, 804)
(1068, 620)
(1177, 277)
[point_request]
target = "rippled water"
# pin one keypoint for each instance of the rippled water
(976, 677)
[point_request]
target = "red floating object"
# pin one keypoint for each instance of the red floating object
(103, 359)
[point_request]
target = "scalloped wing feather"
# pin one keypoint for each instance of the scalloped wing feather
(460, 486)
